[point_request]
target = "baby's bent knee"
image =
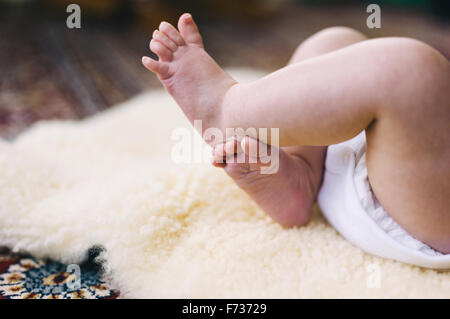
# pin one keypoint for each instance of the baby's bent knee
(339, 31)
(327, 40)
(418, 72)
(419, 55)
(424, 54)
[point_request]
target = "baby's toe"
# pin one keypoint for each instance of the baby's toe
(161, 37)
(172, 33)
(218, 153)
(160, 68)
(161, 50)
(232, 146)
(189, 30)
(223, 151)
(255, 148)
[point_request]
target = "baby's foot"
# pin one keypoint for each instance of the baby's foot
(187, 72)
(287, 196)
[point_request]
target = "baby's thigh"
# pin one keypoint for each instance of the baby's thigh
(408, 156)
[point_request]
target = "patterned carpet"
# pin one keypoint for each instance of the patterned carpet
(25, 277)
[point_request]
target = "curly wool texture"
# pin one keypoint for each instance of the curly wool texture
(173, 230)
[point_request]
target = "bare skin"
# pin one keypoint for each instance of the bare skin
(288, 195)
(396, 89)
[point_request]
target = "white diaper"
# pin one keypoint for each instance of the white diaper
(349, 204)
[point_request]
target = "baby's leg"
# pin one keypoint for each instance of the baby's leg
(396, 89)
(325, 41)
(288, 195)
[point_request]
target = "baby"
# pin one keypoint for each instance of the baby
(337, 84)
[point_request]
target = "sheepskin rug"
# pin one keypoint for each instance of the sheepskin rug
(171, 229)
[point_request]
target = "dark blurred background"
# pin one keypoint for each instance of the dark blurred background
(49, 71)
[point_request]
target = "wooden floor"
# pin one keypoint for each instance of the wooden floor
(48, 71)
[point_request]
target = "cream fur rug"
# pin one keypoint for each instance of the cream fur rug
(173, 230)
